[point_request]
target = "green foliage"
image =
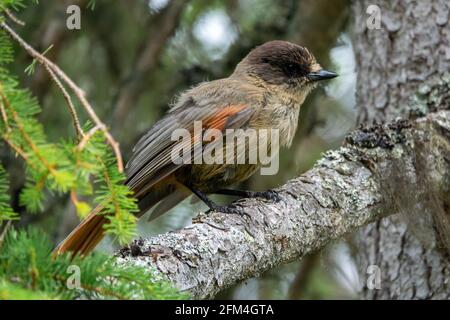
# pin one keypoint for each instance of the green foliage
(63, 167)
(32, 66)
(12, 291)
(6, 212)
(47, 165)
(38, 275)
(67, 166)
(91, 5)
(116, 199)
(14, 4)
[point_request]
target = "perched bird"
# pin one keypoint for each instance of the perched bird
(265, 91)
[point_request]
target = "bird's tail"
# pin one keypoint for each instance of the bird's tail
(90, 232)
(85, 236)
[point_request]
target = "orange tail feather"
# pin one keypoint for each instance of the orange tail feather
(83, 239)
(85, 236)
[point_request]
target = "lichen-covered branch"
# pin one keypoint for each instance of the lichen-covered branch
(342, 192)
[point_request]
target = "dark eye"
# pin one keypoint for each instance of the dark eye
(291, 69)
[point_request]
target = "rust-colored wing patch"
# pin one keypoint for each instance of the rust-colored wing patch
(219, 120)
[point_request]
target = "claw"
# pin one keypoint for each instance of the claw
(270, 195)
(230, 209)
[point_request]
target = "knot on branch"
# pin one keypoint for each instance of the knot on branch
(379, 136)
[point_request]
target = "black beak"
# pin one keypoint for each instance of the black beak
(321, 75)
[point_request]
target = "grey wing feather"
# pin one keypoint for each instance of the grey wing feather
(151, 160)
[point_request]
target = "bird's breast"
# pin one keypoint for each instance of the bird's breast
(280, 115)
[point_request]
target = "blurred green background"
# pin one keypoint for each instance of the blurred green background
(133, 57)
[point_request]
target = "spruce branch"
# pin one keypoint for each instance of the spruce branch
(4, 231)
(24, 134)
(79, 93)
(73, 113)
(101, 277)
(16, 149)
(6, 212)
(86, 137)
(4, 116)
(12, 16)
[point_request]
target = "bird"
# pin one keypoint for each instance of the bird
(264, 92)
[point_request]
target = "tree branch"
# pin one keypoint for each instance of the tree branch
(341, 193)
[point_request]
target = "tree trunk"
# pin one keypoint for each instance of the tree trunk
(404, 57)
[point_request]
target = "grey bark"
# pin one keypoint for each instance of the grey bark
(410, 50)
(341, 193)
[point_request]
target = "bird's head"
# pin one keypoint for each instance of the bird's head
(283, 64)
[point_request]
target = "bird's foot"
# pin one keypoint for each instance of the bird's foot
(270, 195)
(230, 209)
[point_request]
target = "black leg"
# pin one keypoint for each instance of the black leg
(269, 194)
(215, 207)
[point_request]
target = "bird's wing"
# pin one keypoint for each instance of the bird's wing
(152, 161)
